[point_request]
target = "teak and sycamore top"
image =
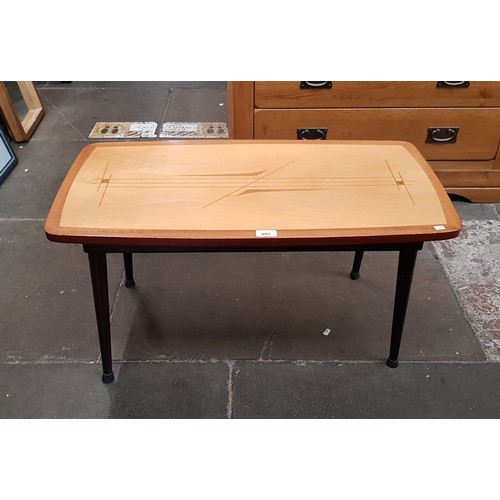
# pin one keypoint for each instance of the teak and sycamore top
(251, 192)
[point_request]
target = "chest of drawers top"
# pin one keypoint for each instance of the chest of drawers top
(376, 94)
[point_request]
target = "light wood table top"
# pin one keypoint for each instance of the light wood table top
(248, 192)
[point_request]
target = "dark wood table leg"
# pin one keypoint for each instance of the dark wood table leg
(358, 257)
(406, 265)
(99, 276)
(129, 270)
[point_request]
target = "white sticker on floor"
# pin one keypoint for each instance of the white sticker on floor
(123, 130)
(143, 127)
(194, 130)
(180, 127)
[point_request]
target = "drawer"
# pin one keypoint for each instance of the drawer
(484, 178)
(376, 94)
(477, 130)
(478, 195)
(464, 166)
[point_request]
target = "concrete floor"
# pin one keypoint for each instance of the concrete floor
(229, 335)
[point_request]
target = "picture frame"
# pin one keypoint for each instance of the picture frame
(8, 159)
(21, 108)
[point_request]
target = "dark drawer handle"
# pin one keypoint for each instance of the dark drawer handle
(315, 85)
(441, 135)
(312, 134)
(453, 84)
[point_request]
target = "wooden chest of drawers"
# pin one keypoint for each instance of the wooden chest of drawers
(455, 125)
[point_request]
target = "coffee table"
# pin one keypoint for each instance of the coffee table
(250, 196)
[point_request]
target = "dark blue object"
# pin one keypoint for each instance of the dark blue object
(8, 159)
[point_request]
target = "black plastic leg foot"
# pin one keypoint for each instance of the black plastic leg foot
(107, 378)
(129, 270)
(356, 265)
(391, 363)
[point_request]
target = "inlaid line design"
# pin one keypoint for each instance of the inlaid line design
(250, 183)
(403, 183)
(400, 182)
(246, 183)
(104, 181)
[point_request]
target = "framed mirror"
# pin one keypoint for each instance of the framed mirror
(8, 159)
(21, 108)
